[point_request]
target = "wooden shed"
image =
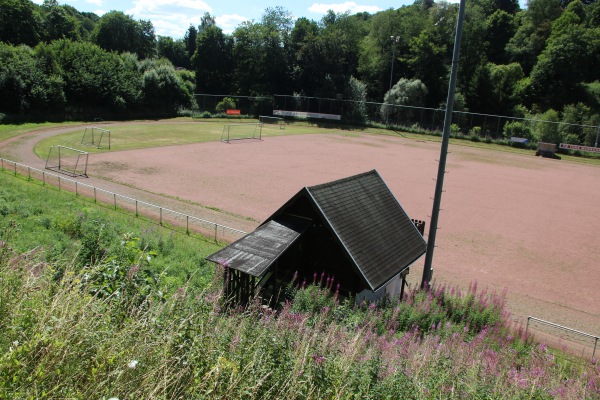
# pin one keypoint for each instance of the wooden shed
(352, 229)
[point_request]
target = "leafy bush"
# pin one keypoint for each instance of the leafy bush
(227, 103)
(454, 129)
(517, 129)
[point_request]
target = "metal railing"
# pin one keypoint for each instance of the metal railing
(140, 208)
(566, 329)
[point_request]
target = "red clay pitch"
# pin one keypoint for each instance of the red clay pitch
(510, 221)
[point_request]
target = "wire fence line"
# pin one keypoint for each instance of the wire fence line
(402, 116)
(219, 232)
(572, 335)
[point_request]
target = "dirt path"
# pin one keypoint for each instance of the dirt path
(20, 149)
(509, 221)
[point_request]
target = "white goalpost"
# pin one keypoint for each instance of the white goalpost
(252, 131)
(96, 137)
(267, 120)
(67, 160)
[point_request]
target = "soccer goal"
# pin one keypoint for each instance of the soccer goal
(96, 137)
(67, 161)
(267, 120)
(241, 131)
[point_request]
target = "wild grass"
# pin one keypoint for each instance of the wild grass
(62, 338)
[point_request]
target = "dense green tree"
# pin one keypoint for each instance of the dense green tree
(500, 27)
(173, 50)
(25, 85)
(427, 62)
(164, 91)
(19, 23)
(206, 21)
(212, 61)
(96, 78)
(308, 73)
(58, 23)
(145, 40)
(190, 40)
(116, 31)
(473, 78)
(86, 21)
(562, 66)
(388, 37)
(263, 54)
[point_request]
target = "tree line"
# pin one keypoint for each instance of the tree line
(542, 60)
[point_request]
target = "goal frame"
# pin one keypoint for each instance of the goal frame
(81, 162)
(226, 135)
(269, 120)
(95, 142)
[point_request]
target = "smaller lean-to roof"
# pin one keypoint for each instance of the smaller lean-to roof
(370, 224)
(255, 252)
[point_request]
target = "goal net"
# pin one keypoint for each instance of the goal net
(96, 137)
(267, 120)
(67, 160)
(241, 132)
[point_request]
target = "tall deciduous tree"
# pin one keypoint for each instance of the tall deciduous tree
(213, 61)
(173, 50)
(263, 53)
(116, 31)
(18, 22)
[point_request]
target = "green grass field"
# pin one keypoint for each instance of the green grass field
(183, 130)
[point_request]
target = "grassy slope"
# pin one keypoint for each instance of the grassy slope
(55, 224)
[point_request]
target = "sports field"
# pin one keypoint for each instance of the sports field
(509, 221)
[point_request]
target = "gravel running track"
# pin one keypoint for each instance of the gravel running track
(509, 221)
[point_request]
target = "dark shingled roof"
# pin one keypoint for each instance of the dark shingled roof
(372, 226)
(255, 252)
(362, 215)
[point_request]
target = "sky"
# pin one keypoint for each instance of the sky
(173, 17)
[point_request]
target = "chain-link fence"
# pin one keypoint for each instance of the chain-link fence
(248, 105)
(432, 119)
(164, 216)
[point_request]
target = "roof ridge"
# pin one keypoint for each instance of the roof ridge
(343, 180)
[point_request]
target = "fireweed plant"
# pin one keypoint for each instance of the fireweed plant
(60, 340)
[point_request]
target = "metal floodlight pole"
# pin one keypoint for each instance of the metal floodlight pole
(597, 134)
(444, 150)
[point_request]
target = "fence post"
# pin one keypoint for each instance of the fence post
(527, 327)
(76, 193)
(115, 200)
(136, 209)
(215, 233)
(15, 164)
(187, 224)
(29, 173)
(94, 194)
(594, 352)
(59, 183)
(43, 178)
(160, 208)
